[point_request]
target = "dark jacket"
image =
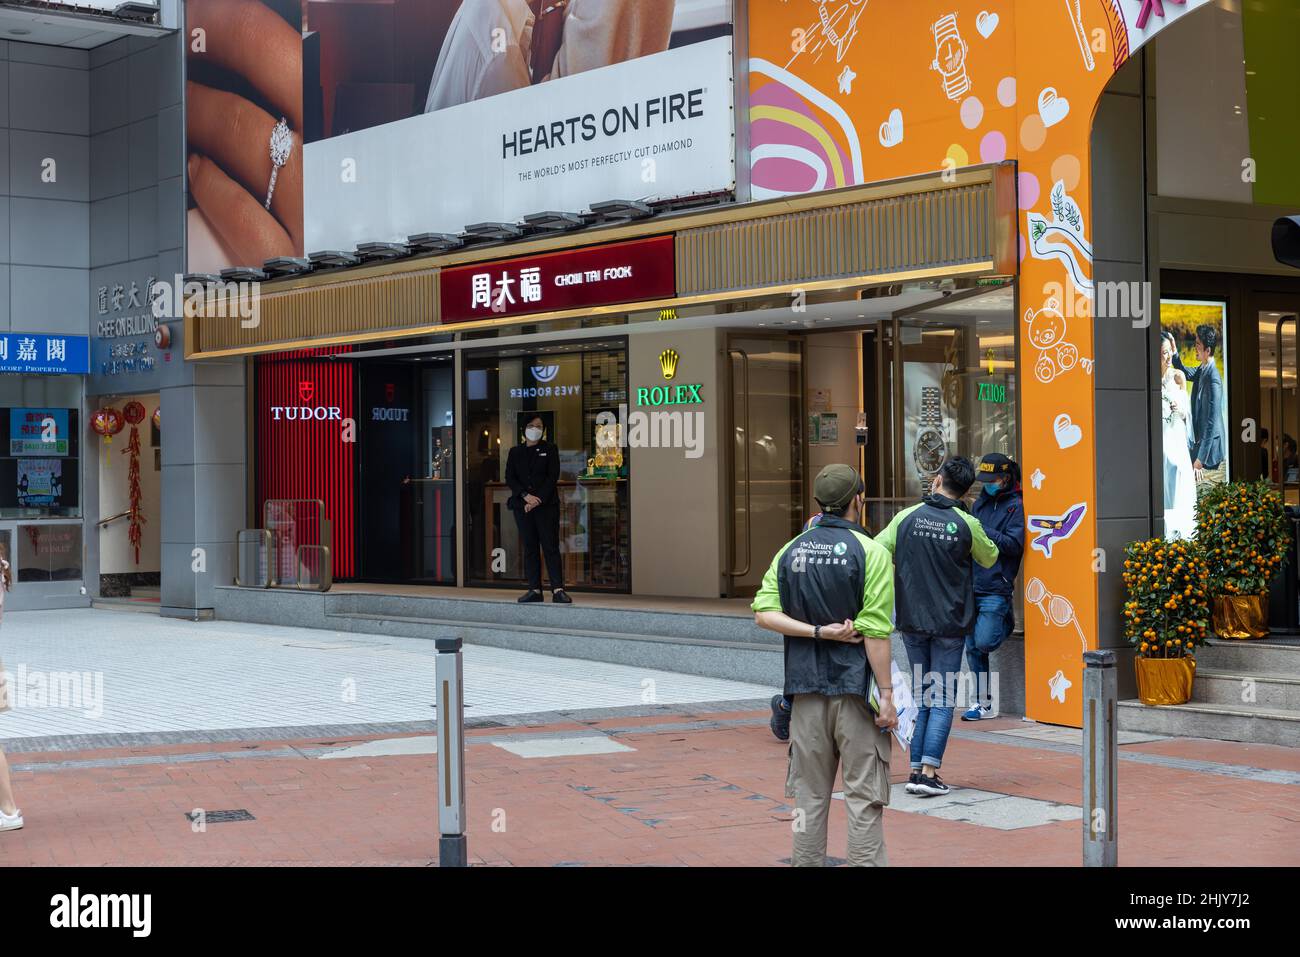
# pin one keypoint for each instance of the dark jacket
(1208, 445)
(935, 545)
(1003, 518)
(831, 573)
(533, 470)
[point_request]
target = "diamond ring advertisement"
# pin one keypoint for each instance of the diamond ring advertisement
(281, 146)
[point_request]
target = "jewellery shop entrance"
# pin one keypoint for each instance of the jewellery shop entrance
(924, 383)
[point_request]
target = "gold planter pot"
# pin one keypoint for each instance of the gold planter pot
(1241, 616)
(1165, 680)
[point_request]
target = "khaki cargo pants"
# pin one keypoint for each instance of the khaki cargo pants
(827, 734)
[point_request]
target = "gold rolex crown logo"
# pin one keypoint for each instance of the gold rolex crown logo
(668, 360)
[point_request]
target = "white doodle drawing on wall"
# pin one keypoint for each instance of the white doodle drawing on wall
(1075, 12)
(1037, 479)
(1052, 107)
(847, 76)
(1068, 435)
(1058, 685)
(987, 23)
(1063, 236)
(891, 131)
(1047, 335)
(949, 61)
(836, 26)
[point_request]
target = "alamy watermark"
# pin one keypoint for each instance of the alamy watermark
(57, 690)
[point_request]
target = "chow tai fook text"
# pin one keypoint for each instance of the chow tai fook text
(574, 279)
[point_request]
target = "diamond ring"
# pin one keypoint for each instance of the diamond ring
(281, 144)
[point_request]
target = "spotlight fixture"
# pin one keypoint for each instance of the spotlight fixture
(202, 278)
(495, 230)
(373, 251)
(243, 274)
(136, 10)
(332, 257)
(554, 221)
(435, 242)
(286, 265)
(621, 209)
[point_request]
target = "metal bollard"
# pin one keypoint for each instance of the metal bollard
(452, 850)
(1100, 761)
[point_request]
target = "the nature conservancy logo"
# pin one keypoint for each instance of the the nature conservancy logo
(668, 360)
(841, 548)
(952, 528)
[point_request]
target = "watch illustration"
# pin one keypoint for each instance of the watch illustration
(929, 450)
(950, 57)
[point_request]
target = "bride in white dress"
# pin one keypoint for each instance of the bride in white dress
(1180, 481)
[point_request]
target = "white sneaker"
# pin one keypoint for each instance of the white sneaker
(11, 822)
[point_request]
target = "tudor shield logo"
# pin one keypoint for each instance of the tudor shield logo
(306, 390)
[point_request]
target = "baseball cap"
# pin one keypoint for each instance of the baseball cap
(994, 465)
(836, 485)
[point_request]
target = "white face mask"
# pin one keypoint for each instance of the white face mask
(533, 435)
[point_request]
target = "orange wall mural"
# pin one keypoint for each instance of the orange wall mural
(844, 92)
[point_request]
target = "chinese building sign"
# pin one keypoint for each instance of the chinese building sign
(575, 279)
(126, 325)
(36, 353)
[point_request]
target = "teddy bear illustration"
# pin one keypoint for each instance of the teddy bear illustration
(1047, 335)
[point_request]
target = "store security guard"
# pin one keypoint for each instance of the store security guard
(830, 592)
(532, 471)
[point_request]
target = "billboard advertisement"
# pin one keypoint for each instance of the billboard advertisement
(333, 122)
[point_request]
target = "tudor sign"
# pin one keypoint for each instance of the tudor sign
(608, 275)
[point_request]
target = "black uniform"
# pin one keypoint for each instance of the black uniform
(535, 470)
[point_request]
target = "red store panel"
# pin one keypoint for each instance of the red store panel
(303, 400)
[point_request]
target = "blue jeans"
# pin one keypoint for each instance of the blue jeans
(995, 622)
(935, 689)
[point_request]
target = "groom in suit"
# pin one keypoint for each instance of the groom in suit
(1209, 445)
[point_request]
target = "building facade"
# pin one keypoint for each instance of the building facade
(752, 239)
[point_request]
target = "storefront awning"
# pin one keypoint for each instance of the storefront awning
(958, 223)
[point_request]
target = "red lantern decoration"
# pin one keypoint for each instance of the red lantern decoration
(107, 422)
(133, 412)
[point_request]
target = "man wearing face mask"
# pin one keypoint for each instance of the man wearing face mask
(935, 545)
(1001, 510)
(532, 471)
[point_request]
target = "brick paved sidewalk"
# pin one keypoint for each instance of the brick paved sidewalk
(666, 790)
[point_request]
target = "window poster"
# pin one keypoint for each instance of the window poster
(1193, 406)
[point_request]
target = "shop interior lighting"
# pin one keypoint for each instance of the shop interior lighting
(554, 221)
(286, 265)
(495, 230)
(373, 251)
(243, 274)
(435, 242)
(622, 209)
(332, 257)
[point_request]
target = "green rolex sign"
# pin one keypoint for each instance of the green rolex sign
(661, 395)
(992, 392)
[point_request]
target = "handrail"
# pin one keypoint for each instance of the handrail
(106, 521)
(731, 439)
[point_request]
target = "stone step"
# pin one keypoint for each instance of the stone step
(755, 662)
(1239, 722)
(1263, 656)
(1231, 688)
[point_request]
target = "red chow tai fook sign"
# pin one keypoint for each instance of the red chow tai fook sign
(633, 271)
